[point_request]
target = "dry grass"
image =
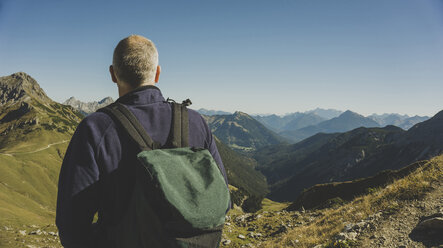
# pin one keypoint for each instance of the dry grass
(388, 200)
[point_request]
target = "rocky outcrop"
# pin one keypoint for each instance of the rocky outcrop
(429, 230)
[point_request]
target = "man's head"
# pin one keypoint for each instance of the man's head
(135, 62)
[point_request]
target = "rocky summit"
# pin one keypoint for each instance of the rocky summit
(20, 87)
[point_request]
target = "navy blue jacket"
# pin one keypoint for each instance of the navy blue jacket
(95, 176)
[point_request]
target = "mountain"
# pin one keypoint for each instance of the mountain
(359, 153)
(303, 120)
(289, 122)
(88, 107)
(411, 121)
(241, 132)
(28, 115)
(403, 121)
(274, 122)
(344, 122)
(388, 119)
(212, 112)
(325, 113)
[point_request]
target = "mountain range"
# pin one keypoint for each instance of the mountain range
(290, 121)
(88, 107)
(344, 122)
(358, 153)
(292, 127)
(403, 121)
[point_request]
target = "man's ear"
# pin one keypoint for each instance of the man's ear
(157, 74)
(113, 77)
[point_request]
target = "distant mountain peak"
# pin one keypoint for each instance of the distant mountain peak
(349, 112)
(325, 113)
(88, 107)
(239, 113)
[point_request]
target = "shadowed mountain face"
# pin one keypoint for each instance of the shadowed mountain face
(87, 108)
(346, 156)
(241, 171)
(343, 123)
(241, 132)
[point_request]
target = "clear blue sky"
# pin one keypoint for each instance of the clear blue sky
(277, 56)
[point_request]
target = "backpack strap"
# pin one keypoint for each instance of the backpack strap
(180, 125)
(122, 115)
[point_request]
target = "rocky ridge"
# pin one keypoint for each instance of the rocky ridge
(20, 87)
(88, 107)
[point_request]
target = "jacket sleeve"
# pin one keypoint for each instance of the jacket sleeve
(212, 147)
(216, 155)
(77, 199)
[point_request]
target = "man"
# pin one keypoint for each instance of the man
(95, 176)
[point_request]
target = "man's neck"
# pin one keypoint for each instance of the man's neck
(124, 88)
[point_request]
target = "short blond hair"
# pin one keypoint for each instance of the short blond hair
(135, 60)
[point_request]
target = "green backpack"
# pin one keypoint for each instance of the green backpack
(180, 197)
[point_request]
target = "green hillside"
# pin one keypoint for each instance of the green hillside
(34, 134)
(241, 132)
(28, 190)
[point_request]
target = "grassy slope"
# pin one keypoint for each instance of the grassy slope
(319, 227)
(28, 192)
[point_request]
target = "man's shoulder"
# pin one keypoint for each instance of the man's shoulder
(97, 123)
(195, 116)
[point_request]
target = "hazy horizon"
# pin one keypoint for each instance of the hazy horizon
(250, 56)
(265, 114)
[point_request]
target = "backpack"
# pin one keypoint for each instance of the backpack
(180, 197)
